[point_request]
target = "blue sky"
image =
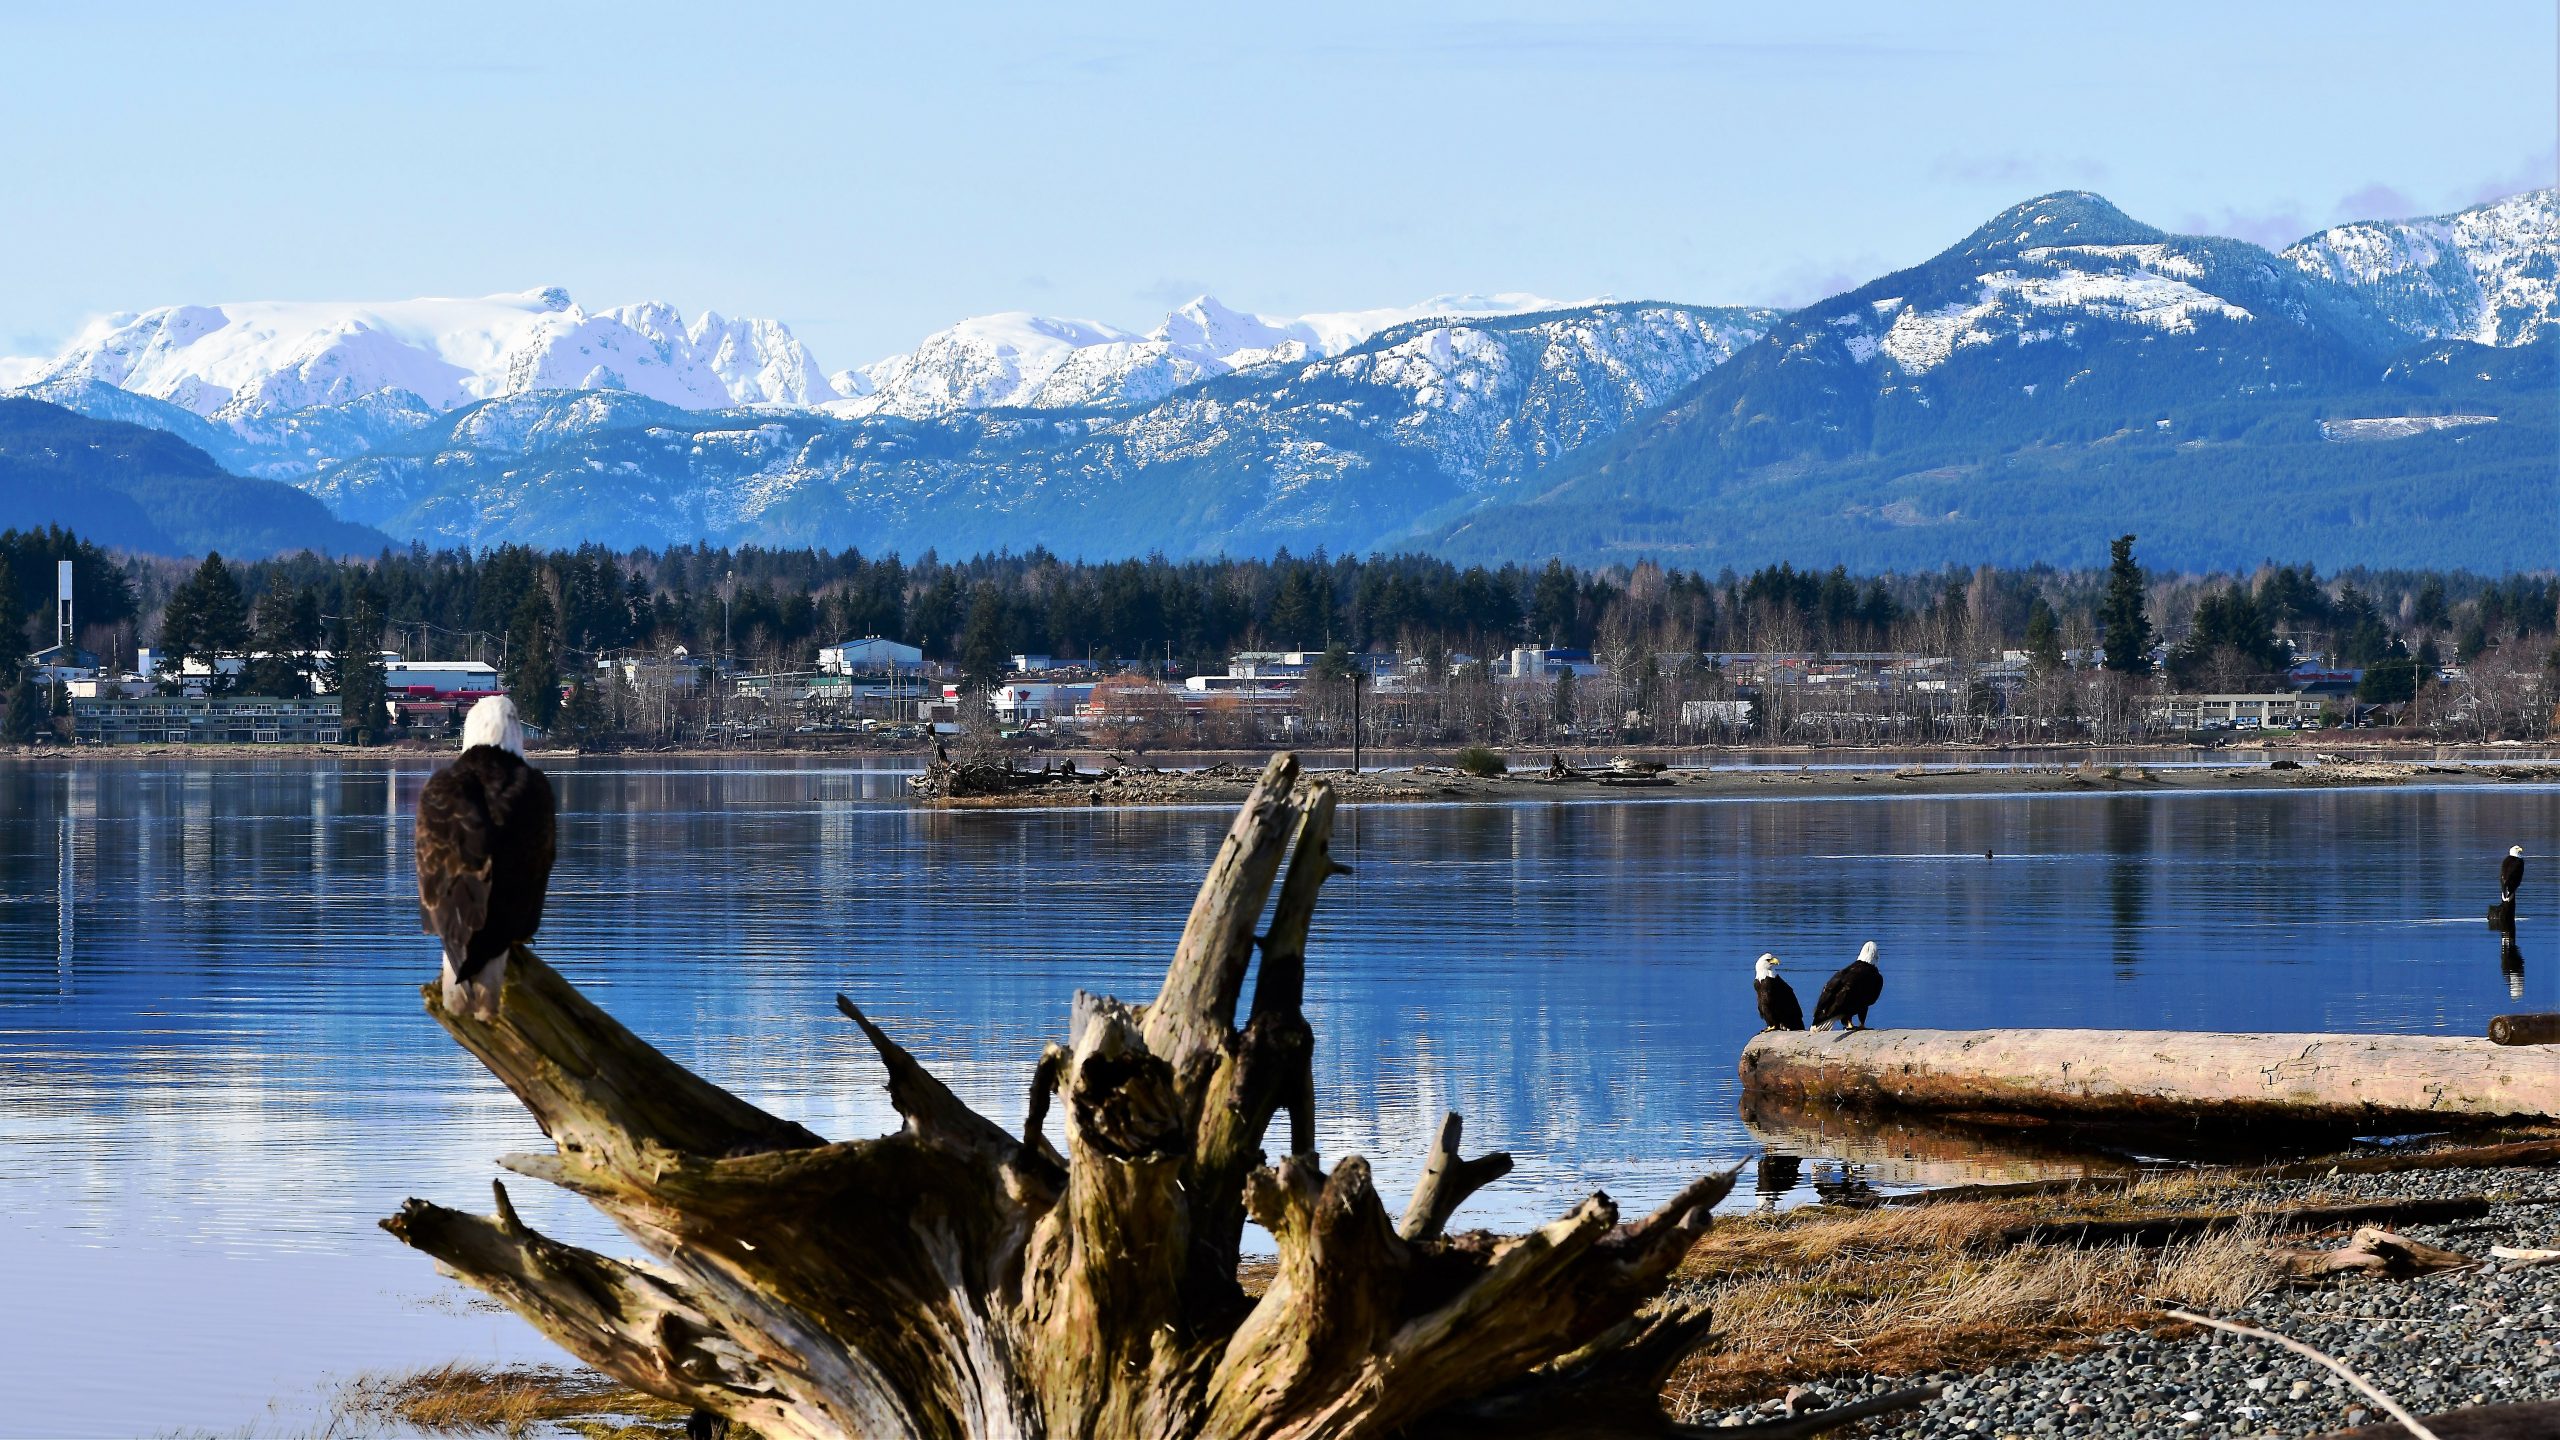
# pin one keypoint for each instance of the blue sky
(872, 173)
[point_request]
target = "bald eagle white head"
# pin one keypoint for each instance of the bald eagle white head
(2516, 850)
(493, 722)
(1867, 953)
(1765, 967)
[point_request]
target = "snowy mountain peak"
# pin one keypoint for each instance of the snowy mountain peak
(1019, 360)
(2489, 274)
(1210, 328)
(248, 363)
(2065, 217)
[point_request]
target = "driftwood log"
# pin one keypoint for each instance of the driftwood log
(2531, 1028)
(2366, 1083)
(2538, 1420)
(963, 1278)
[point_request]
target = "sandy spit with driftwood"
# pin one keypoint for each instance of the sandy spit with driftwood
(996, 781)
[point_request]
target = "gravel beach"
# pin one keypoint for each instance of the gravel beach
(2489, 1335)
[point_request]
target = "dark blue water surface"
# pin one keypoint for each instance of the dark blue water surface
(218, 1076)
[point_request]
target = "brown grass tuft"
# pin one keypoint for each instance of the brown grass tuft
(1819, 1292)
(466, 1399)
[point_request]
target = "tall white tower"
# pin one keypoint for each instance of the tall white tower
(62, 604)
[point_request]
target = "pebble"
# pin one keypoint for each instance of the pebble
(2470, 1337)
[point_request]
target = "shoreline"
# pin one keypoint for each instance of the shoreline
(1379, 757)
(1227, 785)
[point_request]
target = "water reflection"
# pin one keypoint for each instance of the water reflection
(220, 1078)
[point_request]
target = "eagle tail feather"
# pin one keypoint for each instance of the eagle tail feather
(476, 994)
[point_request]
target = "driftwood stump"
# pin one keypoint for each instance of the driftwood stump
(959, 1278)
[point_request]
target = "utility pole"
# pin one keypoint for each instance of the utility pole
(1359, 672)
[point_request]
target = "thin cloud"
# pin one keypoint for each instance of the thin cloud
(2274, 227)
(1809, 282)
(2538, 173)
(1545, 42)
(2018, 169)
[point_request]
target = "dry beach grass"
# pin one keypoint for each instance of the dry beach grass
(1817, 1293)
(1814, 1295)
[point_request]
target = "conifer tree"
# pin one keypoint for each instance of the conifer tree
(583, 720)
(2126, 630)
(533, 659)
(276, 641)
(982, 642)
(13, 626)
(2044, 636)
(26, 719)
(355, 672)
(206, 619)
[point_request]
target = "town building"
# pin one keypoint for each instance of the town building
(440, 679)
(206, 720)
(2235, 712)
(1530, 662)
(870, 655)
(1022, 702)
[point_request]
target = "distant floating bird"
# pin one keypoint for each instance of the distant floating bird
(1779, 1007)
(485, 847)
(1847, 995)
(1986, 854)
(2510, 875)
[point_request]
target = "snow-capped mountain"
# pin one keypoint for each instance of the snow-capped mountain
(1951, 410)
(2055, 267)
(1019, 360)
(247, 365)
(1308, 451)
(2064, 369)
(2489, 274)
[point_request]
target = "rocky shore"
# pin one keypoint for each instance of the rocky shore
(2488, 1335)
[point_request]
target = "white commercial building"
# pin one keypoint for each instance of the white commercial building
(1024, 701)
(870, 655)
(441, 676)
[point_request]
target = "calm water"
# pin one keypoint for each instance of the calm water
(218, 1076)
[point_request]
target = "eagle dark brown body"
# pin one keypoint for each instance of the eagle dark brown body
(485, 845)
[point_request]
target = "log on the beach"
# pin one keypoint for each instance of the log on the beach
(2371, 1251)
(2529, 1029)
(2368, 1083)
(2459, 1157)
(2156, 1230)
(2536, 1420)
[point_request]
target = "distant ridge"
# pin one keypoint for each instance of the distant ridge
(2063, 372)
(135, 488)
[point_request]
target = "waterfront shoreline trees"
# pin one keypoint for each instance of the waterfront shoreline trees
(1652, 631)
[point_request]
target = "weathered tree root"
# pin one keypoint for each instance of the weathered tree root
(959, 1279)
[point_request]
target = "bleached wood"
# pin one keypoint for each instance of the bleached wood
(2368, 1082)
(956, 1279)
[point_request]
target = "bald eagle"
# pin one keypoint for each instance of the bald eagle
(1779, 1007)
(2510, 875)
(484, 855)
(1848, 994)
